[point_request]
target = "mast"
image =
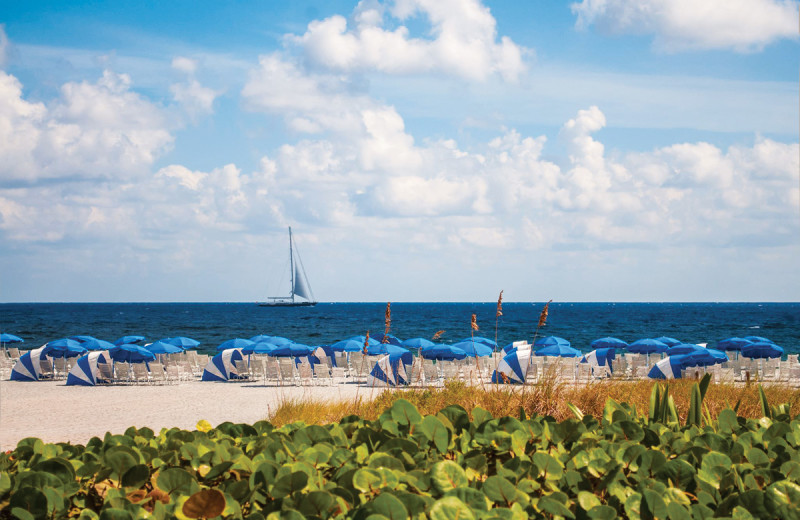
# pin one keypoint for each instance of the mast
(291, 261)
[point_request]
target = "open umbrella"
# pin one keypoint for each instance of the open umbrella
(128, 339)
(647, 346)
(361, 339)
(81, 339)
(65, 348)
(762, 350)
(259, 347)
(292, 350)
(683, 348)
(512, 367)
(97, 344)
(733, 344)
(671, 367)
(234, 343)
(417, 343)
(550, 341)
(10, 338)
(159, 347)
(131, 354)
(275, 340)
(666, 340)
(704, 357)
(608, 343)
(558, 351)
(442, 353)
(474, 349)
(182, 341)
(390, 339)
(349, 345)
(484, 341)
(385, 348)
(758, 339)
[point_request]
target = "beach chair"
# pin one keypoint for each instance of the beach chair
(242, 370)
(305, 374)
(272, 372)
(13, 353)
(105, 374)
(430, 373)
(451, 371)
(287, 370)
(60, 368)
(173, 374)
(122, 373)
(585, 372)
(157, 374)
(532, 373)
(46, 368)
(338, 375)
(341, 359)
(726, 375)
(140, 374)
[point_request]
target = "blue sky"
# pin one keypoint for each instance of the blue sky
(623, 150)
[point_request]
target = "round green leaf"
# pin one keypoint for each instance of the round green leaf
(499, 490)
(447, 475)
(120, 459)
(367, 480)
(136, 476)
(588, 500)
(550, 505)
(436, 431)
(31, 500)
(389, 506)
(450, 508)
(175, 480)
(289, 484)
(317, 503)
(728, 421)
(782, 499)
(602, 512)
(113, 513)
(58, 467)
(476, 500)
(549, 467)
(403, 412)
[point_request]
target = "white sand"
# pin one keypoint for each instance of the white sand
(54, 412)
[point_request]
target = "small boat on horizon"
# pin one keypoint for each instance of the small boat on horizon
(300, 290)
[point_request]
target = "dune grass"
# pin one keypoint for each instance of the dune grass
(547, 397)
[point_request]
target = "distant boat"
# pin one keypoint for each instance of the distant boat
(300, 287)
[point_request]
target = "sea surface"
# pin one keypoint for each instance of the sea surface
(580, 323)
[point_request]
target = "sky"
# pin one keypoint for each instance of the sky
(421, 150)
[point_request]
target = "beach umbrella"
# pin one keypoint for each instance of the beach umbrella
(761, 350)
(221, 367)
(417, 343)
(128, 339)
(608, 343)
(97, 344)
(390, 339)
(670, 342)
(292, 350)
(733, 344)
(671, 367)
(442, 353)
(275, 340)
(348, 345)
(85, 371)
(159, 347)
(10, 338)
(234, 343)
(600, 357)
(390, 370)
(512, 367)
(182, 341)
(65, 348)
(483, 341)
(558, 351)
(647, 346)
(475, 349)
(516, 345)
(703, 357)
(131, 354)
(683, 348)
(259, 347)
(28, 366)
(385, 349)
(361, 339)
(550, 341)
(81, 339)
(758, 339)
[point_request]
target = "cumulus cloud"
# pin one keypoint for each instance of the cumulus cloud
(4, 45)
(462, 41)
(740, 25)
(93, 130)
(194, 97)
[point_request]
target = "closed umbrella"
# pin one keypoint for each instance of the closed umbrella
(391, 370)
(234, 343)
(474, 349)
(608, 343)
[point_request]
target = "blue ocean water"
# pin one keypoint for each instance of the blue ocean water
(580, 323)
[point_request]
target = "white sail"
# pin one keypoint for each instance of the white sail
(300, 288)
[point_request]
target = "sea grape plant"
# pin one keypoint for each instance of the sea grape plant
(450, 465)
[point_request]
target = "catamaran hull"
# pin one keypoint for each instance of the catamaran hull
(286, 304)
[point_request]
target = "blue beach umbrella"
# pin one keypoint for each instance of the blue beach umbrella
(385, 348)
(275, 340)
(131, 354)
(234, 343)
(647, 346)
(683, 348)
(292, 350)
(7, 338)
(85, 371)
(82, 339)
(608, 342)
(558, 351)
(479, 339)
(762, 350)
(97, 344)
(361, 340)
(670, 342)
(182, 341)
(550, 341)
(704, 357)
(442, 353)
(733, 344)
(475, 349)
(391, 370)
(671, 367)
(221, 367)
(128, 339)
(348, 345)
(512, 367)
(65, 348)
(758, 339)
(417, 343)
(159, 347)
(28, 367)
(390, 339)
(259, 347)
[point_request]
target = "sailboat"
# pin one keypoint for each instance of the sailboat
(299, 284)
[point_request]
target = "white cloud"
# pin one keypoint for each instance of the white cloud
(463, 41)
(740, 25)
(4, 45)
(194, 97)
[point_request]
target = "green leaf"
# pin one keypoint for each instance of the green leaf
(472, 497)
(405, 413)
(120, 459)
(58, 467)
(450, 508)
(288, 484)
(500, 490)
(603, 512)
(136, 476)
(175, 480)
(782, 499)
(389, 506)
(367, 480)
(766, 411)
(549, 467)
(728, 421)
(30, 500)
(550, 505)
(694, 416)
(113, 513)
(588, 500)
(653, 506)
(480, 416)
(575, 411)
(447, 475)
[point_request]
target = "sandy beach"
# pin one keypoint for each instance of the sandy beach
(54, 412)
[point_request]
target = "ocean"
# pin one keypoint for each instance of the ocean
(580, 323)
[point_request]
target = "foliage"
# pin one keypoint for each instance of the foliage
(407, 464)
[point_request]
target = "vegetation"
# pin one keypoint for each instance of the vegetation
(657, 463)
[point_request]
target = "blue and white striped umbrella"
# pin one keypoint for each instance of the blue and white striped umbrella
(220, 367)
(600, 357)
(513, 366)
(85, 371)
(671, 367)
(390, 370)
(28, 368)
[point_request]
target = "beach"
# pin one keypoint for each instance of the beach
(54, 412)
